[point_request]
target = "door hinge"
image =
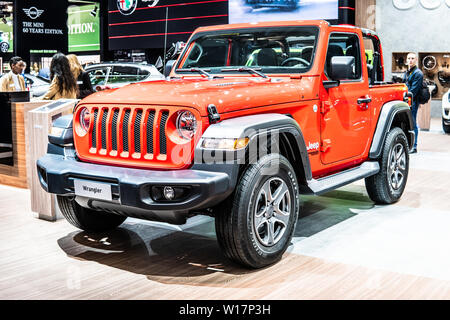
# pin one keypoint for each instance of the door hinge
(326, 144)
(325, 107)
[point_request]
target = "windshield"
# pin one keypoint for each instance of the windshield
(271, 50)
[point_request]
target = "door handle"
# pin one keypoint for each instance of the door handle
(364, 100)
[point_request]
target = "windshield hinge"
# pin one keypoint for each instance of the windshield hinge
(213, 115)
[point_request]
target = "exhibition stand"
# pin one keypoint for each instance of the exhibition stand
(14, 107)
(38, 128)
(24, 129)
(424, 115)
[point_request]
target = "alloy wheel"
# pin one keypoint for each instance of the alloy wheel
(397, 166)
(272, 212)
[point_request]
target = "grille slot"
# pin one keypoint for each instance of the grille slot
(94, 130)
(126, 119)
(103, 128)
(162, 133)
(150, 120)
(114, 130)
(137, 132)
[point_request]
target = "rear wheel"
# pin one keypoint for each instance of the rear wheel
(255, 226)
(445, 127)
(87, 219)
(388, 184)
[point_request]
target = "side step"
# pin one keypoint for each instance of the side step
(340, 179)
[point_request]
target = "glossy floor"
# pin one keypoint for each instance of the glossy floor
(344, 247)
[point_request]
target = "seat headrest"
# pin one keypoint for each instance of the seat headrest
(267, 57)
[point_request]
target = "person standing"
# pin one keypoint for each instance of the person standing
(83, 81)
(413, 78)
(63, 85)
(13, 81)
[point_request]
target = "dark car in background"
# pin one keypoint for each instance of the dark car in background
(118, 74)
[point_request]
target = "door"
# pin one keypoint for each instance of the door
(345, 110)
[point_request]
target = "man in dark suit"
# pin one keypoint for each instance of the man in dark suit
(413, 79)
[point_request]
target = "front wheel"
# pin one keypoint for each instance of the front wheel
(388, 184)
(255, 227)
(87, 219)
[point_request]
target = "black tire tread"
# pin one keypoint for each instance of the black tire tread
(445, 127)
(86, 219)
(227, 220)
(377, 185)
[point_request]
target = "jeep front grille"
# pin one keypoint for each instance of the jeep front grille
(138, 136)
(129, 132)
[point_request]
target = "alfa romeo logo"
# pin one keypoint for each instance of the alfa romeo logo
(127, 7)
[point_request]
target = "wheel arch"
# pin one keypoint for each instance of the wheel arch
(291, 142)
(393, 114)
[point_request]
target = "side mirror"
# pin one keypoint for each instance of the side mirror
(342, 67)
(168, 67)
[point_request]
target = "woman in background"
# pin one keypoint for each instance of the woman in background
(63, 85)
(82, 77)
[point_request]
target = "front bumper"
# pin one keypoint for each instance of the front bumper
(131, 188)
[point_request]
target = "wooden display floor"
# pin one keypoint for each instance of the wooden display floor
(344, 247)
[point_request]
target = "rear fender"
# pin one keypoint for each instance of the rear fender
(393, 114)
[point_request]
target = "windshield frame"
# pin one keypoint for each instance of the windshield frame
(267, 70)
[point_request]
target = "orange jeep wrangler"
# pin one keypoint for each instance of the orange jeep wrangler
(250, 117)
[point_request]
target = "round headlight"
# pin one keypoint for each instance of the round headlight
(186, 124)
(85, 119)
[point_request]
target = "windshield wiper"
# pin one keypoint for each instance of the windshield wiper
(246, 69)
(201, 71)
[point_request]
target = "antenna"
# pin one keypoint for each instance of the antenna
(165, 38)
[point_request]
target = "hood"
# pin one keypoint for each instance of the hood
(228, 94)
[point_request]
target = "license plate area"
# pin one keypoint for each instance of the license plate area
(92, 189)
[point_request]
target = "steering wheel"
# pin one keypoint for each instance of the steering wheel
(301, 60)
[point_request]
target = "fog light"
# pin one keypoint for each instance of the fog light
(169, 193)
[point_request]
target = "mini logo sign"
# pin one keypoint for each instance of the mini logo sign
(33, 12)
(127, 7)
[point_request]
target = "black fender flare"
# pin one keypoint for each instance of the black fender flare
(392, 113)
(252, 127)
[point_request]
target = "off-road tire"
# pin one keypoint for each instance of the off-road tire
(87, 219)
(445, 127)
(235, 217)
(379, 186)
